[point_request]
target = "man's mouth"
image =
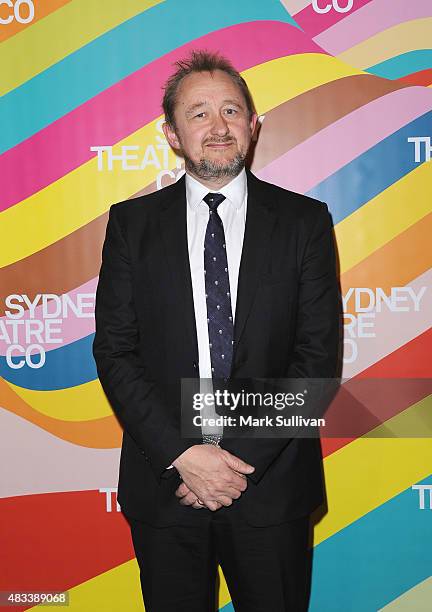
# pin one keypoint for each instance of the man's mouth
(219, 145)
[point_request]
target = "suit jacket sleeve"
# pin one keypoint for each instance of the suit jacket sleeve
(315, 351)
(137, 400)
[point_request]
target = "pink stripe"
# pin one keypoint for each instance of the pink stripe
(72, 327)
(314, 23)
(295, 6)
(300, 169)
(393, 329)
(348, 139)
(375, 17)
(44, 463)
(321, 155)
(130, 104)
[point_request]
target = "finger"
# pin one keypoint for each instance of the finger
(188, 499)
(228, 479)
(212, 505)
(230, 488)
(241, 484)
(182, 490)
(238, 464)
(198, 506)
(232, 492)
(237, 483)
(226, 491)
(225, 500)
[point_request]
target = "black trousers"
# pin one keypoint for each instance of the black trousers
(267, 569)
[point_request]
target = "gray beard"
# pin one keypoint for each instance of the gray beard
(206, 169)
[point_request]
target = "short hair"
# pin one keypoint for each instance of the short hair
(201, 61)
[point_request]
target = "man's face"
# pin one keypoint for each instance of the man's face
(212, 129)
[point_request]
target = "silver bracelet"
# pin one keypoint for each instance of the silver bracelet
(211, 439)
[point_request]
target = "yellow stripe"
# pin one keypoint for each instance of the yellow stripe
(354, 484)
(116, 589)
(285, 78)
(84, 194)
(418, 598)
(369, 471)
(402, 38)
(384, 217)
(81, 403)
(59, 34)
(72, 202)
(360, 477)
(119, 589)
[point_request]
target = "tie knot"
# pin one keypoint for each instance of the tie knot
(213, 200)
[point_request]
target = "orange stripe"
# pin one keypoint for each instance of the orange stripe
(409, 361)
(423, 77)
(98, 433)
(42, 9)
(393, 265)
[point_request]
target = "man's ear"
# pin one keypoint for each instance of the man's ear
(253, 122)
(171, 135)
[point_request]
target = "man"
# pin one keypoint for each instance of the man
(219, 275)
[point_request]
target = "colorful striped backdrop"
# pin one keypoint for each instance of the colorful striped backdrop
(343, 90)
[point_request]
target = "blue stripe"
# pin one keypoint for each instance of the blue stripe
(117, 54)
(404, 64)
(376, 559)
(372, 172)
(67, 366)
(345, 191)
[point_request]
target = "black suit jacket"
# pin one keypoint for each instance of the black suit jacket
(286, 325)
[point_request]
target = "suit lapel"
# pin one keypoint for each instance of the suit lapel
(260, 218)
(174, 237)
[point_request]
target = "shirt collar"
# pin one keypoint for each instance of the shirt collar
(235, 191)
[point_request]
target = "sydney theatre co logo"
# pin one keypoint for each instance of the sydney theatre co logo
(324, 6)
(424, 495)
(156, 155)
(422, 148)
(31, 326)
(21, 11)
(363, 305)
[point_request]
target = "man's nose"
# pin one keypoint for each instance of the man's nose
(219, 126)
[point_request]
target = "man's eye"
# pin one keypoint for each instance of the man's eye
(231, 111)
(200, 115)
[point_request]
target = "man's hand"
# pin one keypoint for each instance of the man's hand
(212, 475)
(188, 498)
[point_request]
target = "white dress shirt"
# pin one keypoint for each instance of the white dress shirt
(232, 212)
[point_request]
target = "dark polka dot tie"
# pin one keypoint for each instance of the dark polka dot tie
(218, 296)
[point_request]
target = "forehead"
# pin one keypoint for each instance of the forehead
(206, 86)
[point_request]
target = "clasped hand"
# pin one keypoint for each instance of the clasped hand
(211, 475)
